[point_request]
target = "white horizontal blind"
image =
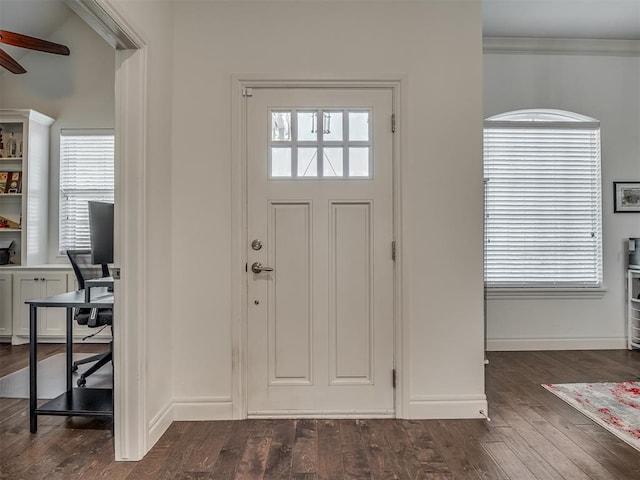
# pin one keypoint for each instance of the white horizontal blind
(86, 173)
(543, 206)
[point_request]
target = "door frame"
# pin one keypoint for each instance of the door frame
(132, 437)
(241, 88)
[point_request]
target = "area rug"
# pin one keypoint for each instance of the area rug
(52, 378)
(614, 406)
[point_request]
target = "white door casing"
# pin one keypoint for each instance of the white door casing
(320, 332)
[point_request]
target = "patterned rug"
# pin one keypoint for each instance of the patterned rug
(615, 406)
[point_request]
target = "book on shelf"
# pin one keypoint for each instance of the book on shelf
(10, 182)
(14, 182)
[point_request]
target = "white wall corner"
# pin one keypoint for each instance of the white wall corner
(447, 406)
(199, 409)
(159, 424)
(131, 442)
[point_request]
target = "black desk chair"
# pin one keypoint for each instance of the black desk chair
(91, 317)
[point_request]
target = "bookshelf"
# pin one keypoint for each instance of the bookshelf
(24, 191)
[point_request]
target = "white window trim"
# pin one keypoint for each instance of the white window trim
(557, 293)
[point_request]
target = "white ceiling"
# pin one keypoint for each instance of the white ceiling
(33, 17)
(36, 18)
(611, 19)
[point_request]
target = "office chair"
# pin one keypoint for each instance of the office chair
(91, 317)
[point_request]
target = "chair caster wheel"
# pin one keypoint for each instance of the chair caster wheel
(82, 382)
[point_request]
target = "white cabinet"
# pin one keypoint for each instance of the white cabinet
(51, 321)
(633, 308)
(24, 177)
(6, 326)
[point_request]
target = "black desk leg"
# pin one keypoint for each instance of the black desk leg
(69, 347)
(33, 368)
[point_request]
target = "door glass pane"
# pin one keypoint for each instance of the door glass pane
(280, 162)
(359, 126)
(307, 126)
(281, 126)
(359, 162)
(307, 162)
(332, 166)
(341, 137)
(332, 126)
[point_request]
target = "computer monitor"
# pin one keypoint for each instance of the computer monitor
(101, 232)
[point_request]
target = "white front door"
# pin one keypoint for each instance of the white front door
(320, 214)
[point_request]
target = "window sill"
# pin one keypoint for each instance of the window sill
(502, 293)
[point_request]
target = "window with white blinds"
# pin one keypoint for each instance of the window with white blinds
(543, 223)
(86, 173)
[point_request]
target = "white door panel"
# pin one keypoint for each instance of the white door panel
(320, 325)
(289, 300)
(350, 295)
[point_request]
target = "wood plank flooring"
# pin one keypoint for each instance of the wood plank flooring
(532, 435)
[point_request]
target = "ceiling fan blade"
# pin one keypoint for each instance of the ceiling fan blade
(9, 63)
(33, 43)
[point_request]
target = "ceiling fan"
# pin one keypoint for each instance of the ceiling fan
(24, 41)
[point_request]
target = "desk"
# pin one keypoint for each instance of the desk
(87, 402)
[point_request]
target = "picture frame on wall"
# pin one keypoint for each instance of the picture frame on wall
(626, 197)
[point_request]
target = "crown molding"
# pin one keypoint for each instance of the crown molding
(561, 46)
(103, 18)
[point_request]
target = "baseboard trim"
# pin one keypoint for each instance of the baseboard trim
(159, 424)
(524, 344)
(320, 414)
(447, 406)
(214, 408)
(420, 407)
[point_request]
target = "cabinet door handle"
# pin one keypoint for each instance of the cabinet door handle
(42, 278)
(36, 279)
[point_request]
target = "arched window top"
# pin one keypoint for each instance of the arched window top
(542, 118)
(541, 115)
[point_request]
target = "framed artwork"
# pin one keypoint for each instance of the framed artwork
(626, 197)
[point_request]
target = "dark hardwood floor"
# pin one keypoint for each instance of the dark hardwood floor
(532, 435)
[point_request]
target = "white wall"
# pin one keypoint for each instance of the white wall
(436, 48)
(77, 91)
(191, 55)
(608, 89)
